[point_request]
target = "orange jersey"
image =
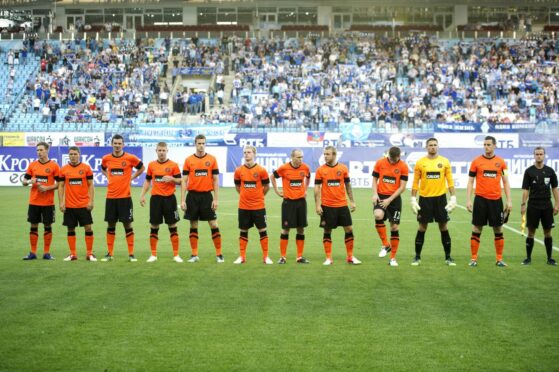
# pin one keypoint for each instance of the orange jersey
(200, 172)
(389, 175)
(156, 172)
(76, 189)
(333, 179)
(488, 173)
(251, 181)
(119, 174)
(45, 174)
(293, 180)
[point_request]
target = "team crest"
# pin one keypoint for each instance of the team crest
(396, 171)
(167, 170)
(47, 170)
(81, 171)
(497, 165)
(255, 175)
(207, 164)
(124, 164)
(302, 174)
(338, 173)
(439, 165)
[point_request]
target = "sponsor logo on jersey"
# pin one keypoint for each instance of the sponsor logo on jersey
(75, 181)
(159, 178)
(333, 183)
(489, 174)
(250, 185)
(200, 172)
(42, 179)
(296, 183)
(117, 172)
(390, 180)
(433, 175)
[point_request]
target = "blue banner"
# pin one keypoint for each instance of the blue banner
(15, 160)
(196, 70)
(486, 127)
(184, 134)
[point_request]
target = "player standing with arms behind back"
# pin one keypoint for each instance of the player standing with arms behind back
(390, 177)
(539, 182)
(295, 177)
(488, 171)
(431, 176)
(76, 196)
(42, 175)
(165, 176)
(331, 184)
(117, 167)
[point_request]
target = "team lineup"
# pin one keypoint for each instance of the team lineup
(333, 195)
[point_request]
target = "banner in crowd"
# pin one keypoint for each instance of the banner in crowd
(14, 161)
(12, 139)
(486, 127)
(65, 138)
(184, 134)
(361, 162)
(196, 70)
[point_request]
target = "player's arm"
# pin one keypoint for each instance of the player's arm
(506, 186)
(215, 201)
(140, 168)
(524, 199)
(61, 195)
(91, 192)
(317, 196)
(265, 185)
(415, 186)
(469, 192)
(555, 193)
(375, 189)
(184, 185)
(275, 184)
(145, 189)
(28, 179)
(349, 191)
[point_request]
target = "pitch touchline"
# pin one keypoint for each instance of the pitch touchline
(514, 230)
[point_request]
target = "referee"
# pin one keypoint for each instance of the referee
(538, 184)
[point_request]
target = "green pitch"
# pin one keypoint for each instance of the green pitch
(167, 316)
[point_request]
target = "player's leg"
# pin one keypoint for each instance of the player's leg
(111, 217)
(48, 220)
(300, 242)
(193, 239)
(419, 240)
(245, 222)
(89, 242)
(349, 243)
(446, 242)
(284, 241)
(216, 240)
(379, 215)
(479, 219)
(71, 238)
(153, 241)
(547, 224)
(260, 223)
(129, 230)
(394, 242)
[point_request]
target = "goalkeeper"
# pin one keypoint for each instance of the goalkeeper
(432, 175)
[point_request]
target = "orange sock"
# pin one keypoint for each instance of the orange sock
(264, 243)
(174, 240)
(153, 239)
(47, 238)
(194, 241)
(130, 241)
(284, 241)
(216, 238)
(300, 241)
(72, 242)
(110, 240)
(33, 239)
(474, 244)
(89, 243)
(349, 244)
(327, 242)
(243, 242)
(394, 243)
(381, 230)
(499, 245)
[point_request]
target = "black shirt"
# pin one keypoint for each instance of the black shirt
(539, 182)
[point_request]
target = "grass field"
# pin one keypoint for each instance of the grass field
(166, 316)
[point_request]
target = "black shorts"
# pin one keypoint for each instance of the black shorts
(432, 209)
(487, 212)
(394, 210)
(38, 214)
(163, 207)
(535, 215)
(293, 213)
(249, 218)
(199, 206)
(77, 217)
(119, 210)
(333, 217)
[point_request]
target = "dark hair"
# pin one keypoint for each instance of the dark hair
(539, 148)
(491, 138)
(394, 152)
(198, 137)
(44, 144)
(431, 139)
(74, 148)
(117, 136)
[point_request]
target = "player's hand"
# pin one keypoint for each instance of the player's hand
(469, 206)
(62, 207)
(375, 199)
(143, 201)
(90, 206)
(280, 193)
(214, 205)
(42, 188)
(183, 206)
(352, 206)
(556, 210)
(509, 206)
(451, 204)
(168, 179)
(319, 210)
(523, 210)
(414, 205)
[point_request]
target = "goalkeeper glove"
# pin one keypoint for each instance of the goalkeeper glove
(414, 205)
(451, 204)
